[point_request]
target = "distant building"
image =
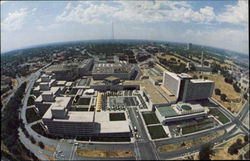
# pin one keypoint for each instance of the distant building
(185, 88)
(120, 70)
(5, 80)
(72, 71)
(244, 81)
(189, 46)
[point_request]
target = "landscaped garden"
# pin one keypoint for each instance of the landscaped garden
(157, 132)
(150, 118)
(220, 116)
(117, 117)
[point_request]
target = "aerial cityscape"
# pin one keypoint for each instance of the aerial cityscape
(124, 80)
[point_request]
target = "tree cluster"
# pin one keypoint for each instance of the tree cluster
(205, 152)
(10, 123)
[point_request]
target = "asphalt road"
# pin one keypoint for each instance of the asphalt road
(6, 100)
(143, 146)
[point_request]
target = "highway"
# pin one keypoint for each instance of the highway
(19, 82)
(142, 144)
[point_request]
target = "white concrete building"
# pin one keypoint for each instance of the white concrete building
(187, 89)
(180, 112)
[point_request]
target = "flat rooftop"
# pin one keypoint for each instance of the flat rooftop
(180, 109)
(107, 68)
(68, 84)
(84, 82)
(175, 76)
(111, 78)
(75, 116)
(157, 78)
(184, 75)
(52, 90)
(158, 94)
(167, 111)
(61, 82)
(110, 126)
(60, 103)
(114, 127)
(39, 99)
(201, 81)
(60, 67)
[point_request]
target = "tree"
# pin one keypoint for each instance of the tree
(206, 63)
(223, 97)
(236, 88)
(246, 138)
(217, 91)
(245, 96)
(234, 148)
(228, 80)
(33, 141)
(247, 155)
(205, 152)
(239, 141)
(172, 59)
(41, 144)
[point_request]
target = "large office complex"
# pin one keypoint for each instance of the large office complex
(189, 46)
(81, 107)
(120, 70)
(187, 89)
(68, 111)
(71, 71)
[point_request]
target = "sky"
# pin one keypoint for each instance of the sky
(218, 23)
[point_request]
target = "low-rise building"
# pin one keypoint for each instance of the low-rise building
(111, 128)
(180, 112)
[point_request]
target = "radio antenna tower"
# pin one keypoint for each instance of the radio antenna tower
(113, 32)
(202, 62)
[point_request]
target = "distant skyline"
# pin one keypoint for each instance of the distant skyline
(222, 24)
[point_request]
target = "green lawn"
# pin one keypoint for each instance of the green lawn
(206, 124)
(117, 116)
(73, 91)
(157, 132)
(150, 118)
(83, 101)
(31, 115)
(30, 101)
(221, 117)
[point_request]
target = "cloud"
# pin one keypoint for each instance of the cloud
(15, 20)
(142, 11)
(86, 13)
(150, 11)
(237, 14)
(227, 38)
(48, 27)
